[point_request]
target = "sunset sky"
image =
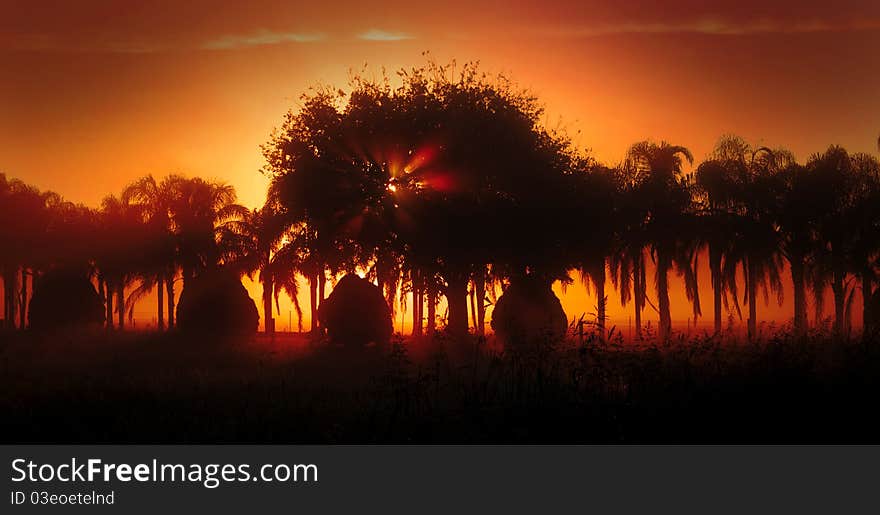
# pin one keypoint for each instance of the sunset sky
(96, 93)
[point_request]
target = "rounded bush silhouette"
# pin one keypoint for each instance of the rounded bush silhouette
(216, 305)
(65, 299)
(529, 314)
(356, 313)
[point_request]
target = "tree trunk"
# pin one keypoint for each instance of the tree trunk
(9, 280)
(160, 303)
(120, 306)
(472, 295)
(22, 307)
(480, 288)
(313, 301)
(663, 266)
(169, 289)
(638, 294)
(108, 297)
(752, 289)
(837, 288)
(415, 278)
(268, 319)
(868, 322)
(322, 284)
(456, 298)
(599, 279)
(715, 268)
(432, 311)
(800, 295)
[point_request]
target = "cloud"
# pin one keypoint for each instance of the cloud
(382, 35)
(717, 27)
(261, 38)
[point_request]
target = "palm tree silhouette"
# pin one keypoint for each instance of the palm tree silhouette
(154, 199)
(657, 169)
(259, 243)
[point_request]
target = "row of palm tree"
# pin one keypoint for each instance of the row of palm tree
(154, 234)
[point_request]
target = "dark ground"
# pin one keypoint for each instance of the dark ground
(147, 388)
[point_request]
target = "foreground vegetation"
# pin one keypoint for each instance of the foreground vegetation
(150, 388)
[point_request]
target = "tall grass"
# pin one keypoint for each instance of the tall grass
(150, 388)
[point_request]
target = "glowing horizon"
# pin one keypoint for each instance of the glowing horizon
(96, 94)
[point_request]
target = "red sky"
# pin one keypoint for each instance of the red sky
(96, 93)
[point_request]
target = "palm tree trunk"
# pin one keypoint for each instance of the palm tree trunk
(9, 280)
(268, 319)
(867, 321)
(120, 306)
(432, 312)
(456, 298)
(599, 280)
(752, 289)
(638, 294)
(416, 303)
(109, 298)
(22, 309)
(837, 288)
(322, 284)
(169, 289)
(663, 266)
(715, 268)
(800, 295)
(480, 288)
(5, 299)
(472, 294)
(313, 301)
(160, 303)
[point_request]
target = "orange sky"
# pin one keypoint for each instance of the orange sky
(95, 94)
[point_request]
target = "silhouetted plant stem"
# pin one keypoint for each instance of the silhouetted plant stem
(268, 319)
(415, 278)
(638, 292)
(169, 290)
(751, 288)
(837, 288)
(456, 297)
(800, 295)
(22, 310)
(120, 306)
(313, 301)
(480, 287)
(663, 265)
(160, 302)
(715, 269)
(108, 298)
(599, 279)
(432, 311)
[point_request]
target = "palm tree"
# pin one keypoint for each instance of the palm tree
(200, 211)
(155, 199)
(837, 186)
(796, 218)
(119, 253)
(598, 195)
(259, 242)
(25, 214)
(757, 245)
(864, 245)
(657, 170)
(717, 182)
